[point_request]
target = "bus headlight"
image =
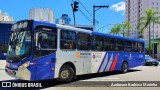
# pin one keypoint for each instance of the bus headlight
(23, 66)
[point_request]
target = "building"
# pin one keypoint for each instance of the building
(4, 17)
(64, 19)
(42, 14)
(5, 29)
(135, 10)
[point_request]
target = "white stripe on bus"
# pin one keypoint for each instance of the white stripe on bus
(109, 63)
(104, 63)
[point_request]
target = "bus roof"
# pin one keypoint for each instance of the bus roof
(113, 36)
(83, 30)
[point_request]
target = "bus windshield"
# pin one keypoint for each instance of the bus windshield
(20, 44)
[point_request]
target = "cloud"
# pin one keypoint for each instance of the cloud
(119, 7)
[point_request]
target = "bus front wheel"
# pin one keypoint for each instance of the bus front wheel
(66, 74)
(124, 67)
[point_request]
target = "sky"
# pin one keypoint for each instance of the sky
(106, 17)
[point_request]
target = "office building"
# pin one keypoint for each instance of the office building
(4, 17)
(42, 14)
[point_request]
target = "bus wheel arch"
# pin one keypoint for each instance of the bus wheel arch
(124, 66)
(68, 67)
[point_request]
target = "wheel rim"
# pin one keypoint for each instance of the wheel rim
(125, 67)
(65, 74)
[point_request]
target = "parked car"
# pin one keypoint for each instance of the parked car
(151, 61)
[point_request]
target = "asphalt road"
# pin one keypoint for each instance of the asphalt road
(141, 73)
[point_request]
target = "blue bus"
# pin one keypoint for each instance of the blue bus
(40, 50)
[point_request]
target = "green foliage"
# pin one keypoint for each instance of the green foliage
(145, 21)
(122, 28)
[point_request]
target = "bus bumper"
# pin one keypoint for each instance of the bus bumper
(21, 74)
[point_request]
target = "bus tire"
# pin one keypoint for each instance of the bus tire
(124, 67)
(66, 74)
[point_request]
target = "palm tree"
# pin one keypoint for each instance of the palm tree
(116, 29)
(145, 21)
(126, 27)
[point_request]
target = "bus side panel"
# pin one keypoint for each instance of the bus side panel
(64, 56)
(119, 61)
(106, 61)
(97, 61)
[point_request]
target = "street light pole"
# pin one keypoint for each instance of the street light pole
(95, 8)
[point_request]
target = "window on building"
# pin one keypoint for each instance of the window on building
(83, 41)
(68, 40)
(97, 43)
(157, 8)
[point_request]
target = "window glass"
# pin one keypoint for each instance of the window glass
(109, 44)
(134, 47)
(140, 47)
(119, 42)
(83, 41)
(68, 40)
(127, 46)
(97, 43)
(45, 42)
(119, 45)
(109, 40)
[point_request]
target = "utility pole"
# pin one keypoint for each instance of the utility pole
(74, 9)
(95, 8)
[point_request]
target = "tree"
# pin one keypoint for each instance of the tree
(145, 21)
(116, 29)
(126, 27)
(122, 28)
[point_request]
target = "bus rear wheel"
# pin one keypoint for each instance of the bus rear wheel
(66, 74)
(124, 67)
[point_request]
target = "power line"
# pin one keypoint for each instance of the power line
(85, 16)
(85, 8)
(83, 13)
(104, 26)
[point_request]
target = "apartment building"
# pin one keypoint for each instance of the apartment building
(135, 10)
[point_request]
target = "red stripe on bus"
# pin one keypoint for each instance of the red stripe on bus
(114, 63)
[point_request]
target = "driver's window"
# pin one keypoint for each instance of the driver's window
(45, 42)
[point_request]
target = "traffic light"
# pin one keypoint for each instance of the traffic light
(75, 8)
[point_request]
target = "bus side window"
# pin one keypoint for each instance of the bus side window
(119, 45)
(109, 44)
(45, 41)
(134, 47)
(97, 43)
(140, 47)
(68, 40)
(83, 41)
(127, 46)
